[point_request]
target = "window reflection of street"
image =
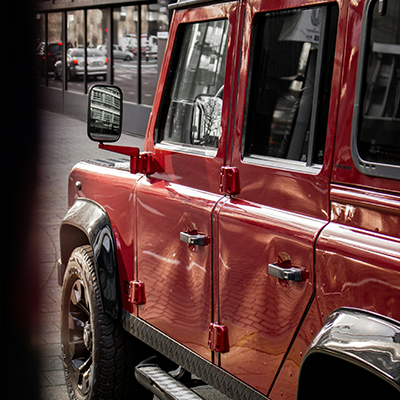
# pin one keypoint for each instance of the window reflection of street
(130, 23)
(124, 71)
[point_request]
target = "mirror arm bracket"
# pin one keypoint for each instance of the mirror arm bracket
(132, 152)
(144, 163)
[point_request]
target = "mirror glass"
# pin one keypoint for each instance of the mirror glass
(105, 113)
(206, 121)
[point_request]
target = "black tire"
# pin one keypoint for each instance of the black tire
(98, 355)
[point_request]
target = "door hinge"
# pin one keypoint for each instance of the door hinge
(148, 164)
(218, 338)
(229, 182)
(137, 293)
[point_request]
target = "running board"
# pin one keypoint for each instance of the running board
(162, 384)
(215, 377)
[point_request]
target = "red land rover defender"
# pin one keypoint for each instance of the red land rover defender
(253, 250)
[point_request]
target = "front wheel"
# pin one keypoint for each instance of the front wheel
(98, 355)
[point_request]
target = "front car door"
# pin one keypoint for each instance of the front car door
(282, 153)
(174, 206)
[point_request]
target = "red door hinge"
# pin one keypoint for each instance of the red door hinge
(137, 293)
(148, 164)
(229, 182)
(218, 339)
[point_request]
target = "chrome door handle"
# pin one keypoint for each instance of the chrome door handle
(287, 274)
(195, 240)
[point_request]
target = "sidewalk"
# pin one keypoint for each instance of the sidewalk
(64, 143)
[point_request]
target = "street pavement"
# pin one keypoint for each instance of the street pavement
(64, 142)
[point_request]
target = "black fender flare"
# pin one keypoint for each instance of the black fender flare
(87, 222)
(367, 340)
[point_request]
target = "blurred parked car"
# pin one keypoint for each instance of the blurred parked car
(118, 53)
(152, 48)
(54, 53)
(96, 64)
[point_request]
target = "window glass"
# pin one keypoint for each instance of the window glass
(75, 64)
(97, 51)
(40, 47)
(194, 103)
(379, 128)
(55, 47)
(150, 28)
(125, 51)
(292, 62)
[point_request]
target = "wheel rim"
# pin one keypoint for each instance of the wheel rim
(80, 337)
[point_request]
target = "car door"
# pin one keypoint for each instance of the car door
(266, 231)
(188, 135)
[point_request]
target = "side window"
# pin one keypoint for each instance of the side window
(378, 120)
(192, 105)
(290, 80)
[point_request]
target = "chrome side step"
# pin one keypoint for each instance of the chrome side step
(162, 384)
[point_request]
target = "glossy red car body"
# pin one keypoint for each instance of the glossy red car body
(336, 224)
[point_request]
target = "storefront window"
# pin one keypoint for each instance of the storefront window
(47, 58)
(75, 62)
(150, 52)
(136, 71)
(97, 46)
(125, 51)
(138, 38)
(40, 47)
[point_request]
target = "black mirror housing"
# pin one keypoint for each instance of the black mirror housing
(104, 121)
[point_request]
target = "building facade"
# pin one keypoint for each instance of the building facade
(84, 42)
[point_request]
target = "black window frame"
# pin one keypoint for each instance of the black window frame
(310, 165)
(370, 168)
(166, 99)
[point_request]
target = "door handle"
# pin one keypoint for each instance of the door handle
(195, 240)
(287, 274)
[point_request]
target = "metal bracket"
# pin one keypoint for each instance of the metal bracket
(132, 152)
(145, 163)
(229, 182)
(137, 293)
(148, 164)
(218, 339)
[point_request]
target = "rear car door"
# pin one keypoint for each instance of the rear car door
(282, 154)
(174, 206)
(358, 254)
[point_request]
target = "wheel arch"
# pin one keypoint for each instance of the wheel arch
(87, 223)
(356, 353)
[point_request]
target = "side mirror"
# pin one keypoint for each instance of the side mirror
(206, 121)
(104, 120)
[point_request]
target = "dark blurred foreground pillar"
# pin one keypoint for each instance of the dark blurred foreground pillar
(19, 137)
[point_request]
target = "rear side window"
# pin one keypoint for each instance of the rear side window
(192, 104)
(290, 81)
(376, 123)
